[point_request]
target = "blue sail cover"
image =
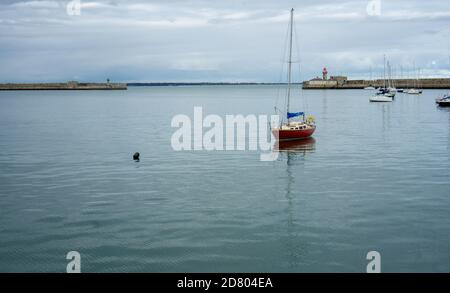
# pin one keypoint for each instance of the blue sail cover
(295, 114)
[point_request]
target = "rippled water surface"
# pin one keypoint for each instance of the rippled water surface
(375, 177)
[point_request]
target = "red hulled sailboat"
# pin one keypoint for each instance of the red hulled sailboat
(297, 126)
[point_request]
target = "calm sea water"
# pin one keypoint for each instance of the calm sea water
(375, 177)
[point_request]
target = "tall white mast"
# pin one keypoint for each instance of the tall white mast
(384, 70)
(290, 63)
(414, 75)
(389, 74)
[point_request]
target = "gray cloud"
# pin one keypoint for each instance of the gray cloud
(217, 40)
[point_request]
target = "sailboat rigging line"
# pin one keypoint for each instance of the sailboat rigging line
(280, 79)
(297, 50)
(290, 64)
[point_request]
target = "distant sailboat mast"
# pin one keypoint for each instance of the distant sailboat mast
(388, 65)
(414, 75)
(290, 64)
(389, 70)
(384, 70)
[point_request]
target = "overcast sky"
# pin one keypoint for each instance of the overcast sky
(208, 40)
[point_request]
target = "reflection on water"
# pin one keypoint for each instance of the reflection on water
(324, 103)
(373, 177)
(386, 114)
(445, 109)
(293, 151)
(297, 146)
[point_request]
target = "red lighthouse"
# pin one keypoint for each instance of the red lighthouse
(324, 73)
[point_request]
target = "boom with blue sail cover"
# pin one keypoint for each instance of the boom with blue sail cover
(295, 114)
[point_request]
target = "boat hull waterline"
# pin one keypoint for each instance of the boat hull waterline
(444, 104)
(444, 101)
(289, 134)
(413, 92)
(381, 98)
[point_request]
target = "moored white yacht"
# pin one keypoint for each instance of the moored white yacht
(444, 101)
(381, 98)
(413, 91)
(390, 94)
(392, 89)
(385, 93)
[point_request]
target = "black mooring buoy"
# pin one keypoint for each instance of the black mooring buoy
(136, 156)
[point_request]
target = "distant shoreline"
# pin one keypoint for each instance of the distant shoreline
(71, 85)
(426, 83)
(203, 83)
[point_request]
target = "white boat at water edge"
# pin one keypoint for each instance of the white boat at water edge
(390, 94)
(443, 101)
(413, 91)
(380, 98)
(387, 92)
(369, 88)
(392, 89)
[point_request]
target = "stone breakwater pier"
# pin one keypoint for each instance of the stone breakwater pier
(341, 82)
(72, 85)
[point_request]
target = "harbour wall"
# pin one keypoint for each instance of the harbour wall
(424, 83)
(62, 86)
